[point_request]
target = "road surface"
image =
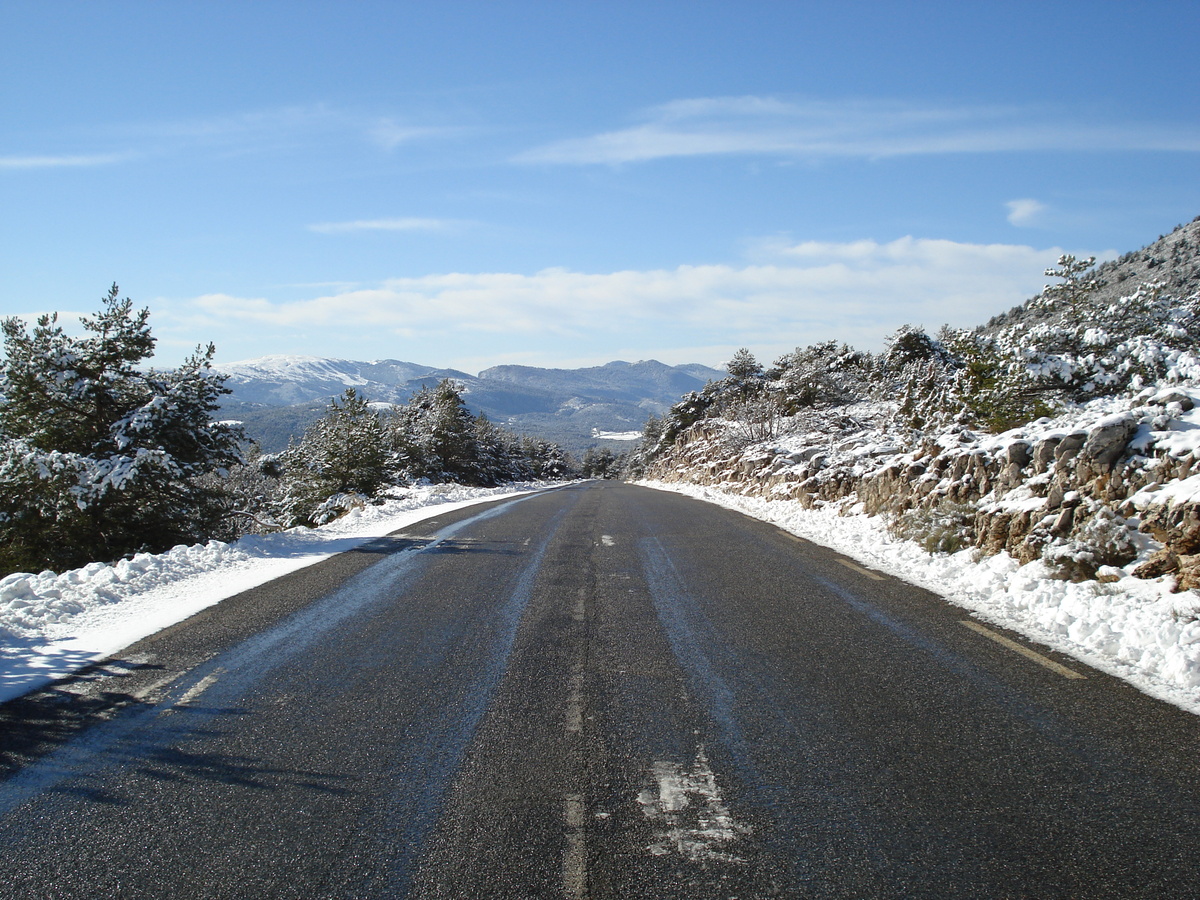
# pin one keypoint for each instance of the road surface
(601, 691)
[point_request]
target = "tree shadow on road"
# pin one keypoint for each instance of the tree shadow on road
(62, 742)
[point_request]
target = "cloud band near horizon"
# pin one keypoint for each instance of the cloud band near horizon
(857, 292)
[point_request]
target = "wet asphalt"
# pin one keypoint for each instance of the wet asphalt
(597, 691)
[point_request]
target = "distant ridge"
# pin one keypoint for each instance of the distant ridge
(278, 396)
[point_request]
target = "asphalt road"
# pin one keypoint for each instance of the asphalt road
(601, 691)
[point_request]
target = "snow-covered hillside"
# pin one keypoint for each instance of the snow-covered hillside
(283, 380)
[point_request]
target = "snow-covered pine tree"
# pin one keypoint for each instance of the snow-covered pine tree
(345, 452)
(498, 454)
(743, 366)
(443, 431)
(99, 458)
(820, 375)
(1078, 281)
(546, 460)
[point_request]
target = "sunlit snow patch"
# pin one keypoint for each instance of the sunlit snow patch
(687, 808)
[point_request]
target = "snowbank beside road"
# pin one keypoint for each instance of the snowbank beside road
(52, 624)
(1133, 628)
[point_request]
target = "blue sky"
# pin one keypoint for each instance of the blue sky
(567, 183)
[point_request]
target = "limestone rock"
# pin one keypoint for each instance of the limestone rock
(1108, 439)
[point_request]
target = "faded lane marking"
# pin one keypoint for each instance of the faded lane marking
(861, 571)
(607, 540)
(692, 816)
(575, 855)
(1024, 651)
(196, 690)
(150, 690)
(574, 723)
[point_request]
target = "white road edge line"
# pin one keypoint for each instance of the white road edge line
(861, 571)
(1024, 651)
(575, 856)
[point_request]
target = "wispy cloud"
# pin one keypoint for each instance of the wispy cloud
(1025, 211)
(869, 129)
(390, 134)
(242, 125)
(266, 126)
(255, 131)
(63, 161)
(404, 224)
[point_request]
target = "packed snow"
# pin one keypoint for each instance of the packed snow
(295, 368)
(689, 815)
(52, 624)
(616, 435)
(1135, 629)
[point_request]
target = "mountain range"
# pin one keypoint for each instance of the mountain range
(278, 396)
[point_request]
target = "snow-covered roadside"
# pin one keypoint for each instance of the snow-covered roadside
(53, 624)
(1132, 628)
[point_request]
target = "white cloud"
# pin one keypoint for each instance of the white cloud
(401, 224)
(858, 292)
(269, 130)
(871, 129)
(66, 161)
(230, 134)
(240, 126)
(390, 134)
(1024, 212)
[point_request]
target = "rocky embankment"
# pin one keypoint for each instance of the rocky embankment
(1110, 488)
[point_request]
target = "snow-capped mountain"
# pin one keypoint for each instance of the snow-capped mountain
(277, 396)
(288, 380)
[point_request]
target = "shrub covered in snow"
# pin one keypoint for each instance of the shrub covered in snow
(946, 527)
(1069, 349)
(1068, 345)
(1106, 539)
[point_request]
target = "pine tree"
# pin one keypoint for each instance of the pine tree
(824, 374)
(1078, 283)
(743, 366)
(600, 462)
(343, 452)
(546, 460)
(98, 458)
(452, 434)
(440, 431)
